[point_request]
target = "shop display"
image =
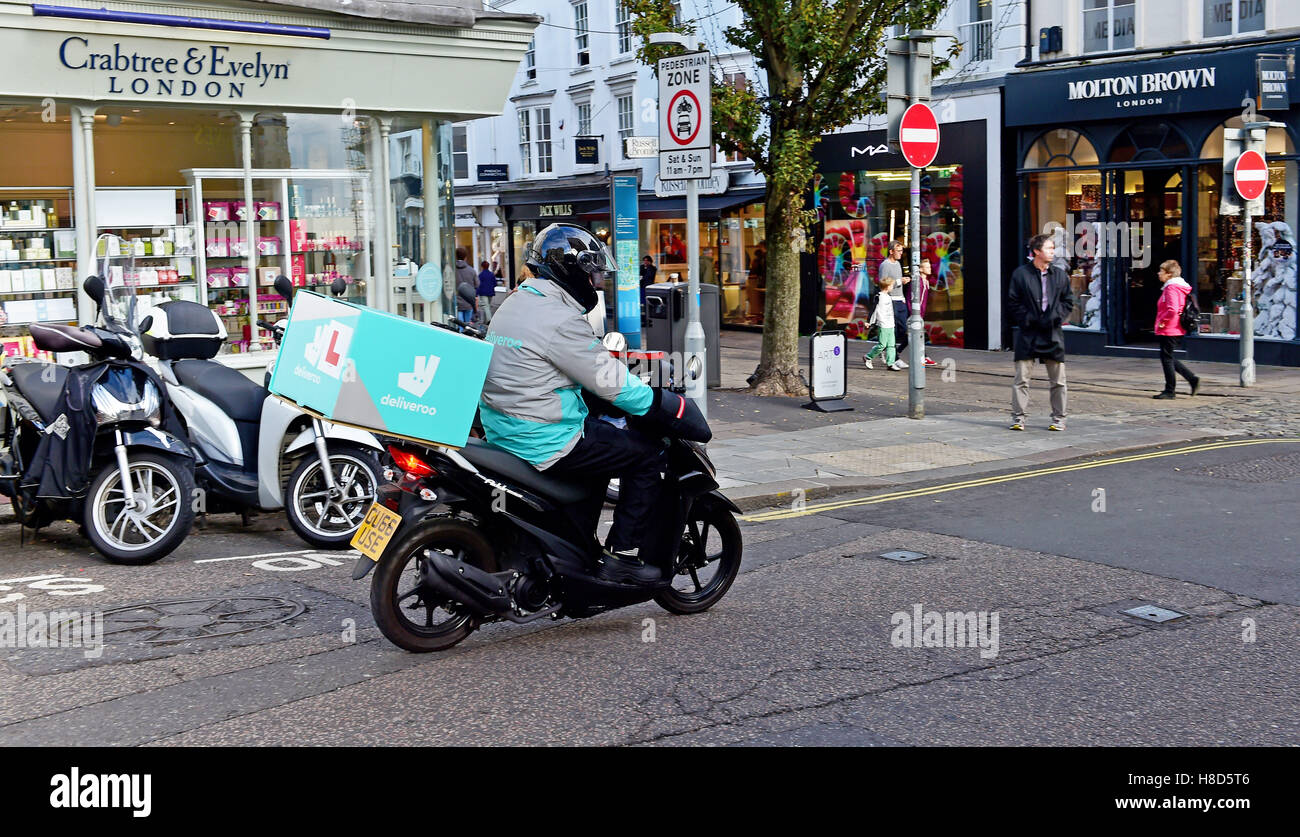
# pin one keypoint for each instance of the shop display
(1274, 282)
(38, 260)
(308, 227)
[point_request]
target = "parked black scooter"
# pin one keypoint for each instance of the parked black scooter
(98, 443)
(478, 535)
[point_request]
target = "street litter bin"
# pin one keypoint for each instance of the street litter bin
(665, 329)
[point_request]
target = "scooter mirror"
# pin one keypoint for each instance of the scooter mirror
(283, 287)
(95, 289)
(339, 286)
(146, 324)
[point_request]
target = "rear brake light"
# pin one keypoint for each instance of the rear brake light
(410, 463)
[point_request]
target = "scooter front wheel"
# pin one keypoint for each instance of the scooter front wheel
(157, 519)
(708, 559)
(330, 522)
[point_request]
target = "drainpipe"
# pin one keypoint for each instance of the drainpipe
(1029, 31)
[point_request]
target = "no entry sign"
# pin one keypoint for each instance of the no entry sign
(1250, 175)
(685, 117)
(918, 135)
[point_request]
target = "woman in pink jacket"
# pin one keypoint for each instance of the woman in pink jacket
(1169, 329)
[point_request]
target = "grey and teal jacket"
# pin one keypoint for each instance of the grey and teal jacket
(544, 354)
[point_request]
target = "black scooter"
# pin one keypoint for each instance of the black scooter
(479, 535)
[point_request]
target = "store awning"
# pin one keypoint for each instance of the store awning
(711, 206)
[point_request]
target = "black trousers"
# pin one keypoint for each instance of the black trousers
(1167, 345)
(900, 327)
(604, 451)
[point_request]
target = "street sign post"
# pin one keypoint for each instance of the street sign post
(686, 153)
(918, 135)
(1250, 178)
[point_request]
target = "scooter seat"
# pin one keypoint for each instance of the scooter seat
(31, 381)
(502, 462)
(238, 396)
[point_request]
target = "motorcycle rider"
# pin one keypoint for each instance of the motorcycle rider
(545, 353)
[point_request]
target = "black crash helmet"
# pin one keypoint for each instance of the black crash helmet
(573, 258)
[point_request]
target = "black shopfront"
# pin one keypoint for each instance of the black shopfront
(1122, 163)
(861, 194)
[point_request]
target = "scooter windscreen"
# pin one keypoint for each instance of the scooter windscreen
(117, 269)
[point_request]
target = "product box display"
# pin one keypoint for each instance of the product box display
(367, 368)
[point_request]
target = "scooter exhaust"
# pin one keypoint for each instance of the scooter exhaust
(481, 592)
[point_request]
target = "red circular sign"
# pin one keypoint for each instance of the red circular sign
(690, 113)
(1250, 175)
(918, 135)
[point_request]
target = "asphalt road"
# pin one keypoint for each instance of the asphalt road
(806, 648)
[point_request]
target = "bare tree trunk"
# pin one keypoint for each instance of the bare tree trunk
(778, 368)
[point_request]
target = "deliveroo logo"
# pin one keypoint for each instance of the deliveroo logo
(418, 380)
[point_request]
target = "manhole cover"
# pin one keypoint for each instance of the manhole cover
(1152, 613)
(1284, 466)
(180, 620)
(902, 555)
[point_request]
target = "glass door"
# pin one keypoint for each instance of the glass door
(1151, 204)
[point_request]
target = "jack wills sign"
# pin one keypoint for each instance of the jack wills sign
(1202, 81)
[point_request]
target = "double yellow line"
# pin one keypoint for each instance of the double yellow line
(817, 508)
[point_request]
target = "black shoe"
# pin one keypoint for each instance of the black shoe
(622, 568)
(1164, 396)
(1195, 385)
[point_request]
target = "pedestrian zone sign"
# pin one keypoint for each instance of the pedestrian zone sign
(685, 117)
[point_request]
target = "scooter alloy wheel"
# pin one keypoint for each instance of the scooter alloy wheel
(707, 560)
(408, 615)
(322, 521)
(164, 490)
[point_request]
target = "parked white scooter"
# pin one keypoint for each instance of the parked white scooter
(256, 450)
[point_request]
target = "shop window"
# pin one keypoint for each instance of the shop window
(37, 151)
(1108, 25)
(1232, 17)
(1068, 206)
(626, 121)
(1276, 141)
(308, 141)
(1149, 141)
(623, 27)
(151, 146)
(863, 211)
(1060, 147)
(460, 152)
(1218, 275)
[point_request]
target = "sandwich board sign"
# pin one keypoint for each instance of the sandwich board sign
(828, 365)
(685, 117)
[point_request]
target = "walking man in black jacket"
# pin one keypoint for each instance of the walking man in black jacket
(1039, 302)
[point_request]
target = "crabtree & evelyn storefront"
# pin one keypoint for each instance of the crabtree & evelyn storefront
(227, 143)
(1122, 162)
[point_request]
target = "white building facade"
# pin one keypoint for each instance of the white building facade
(551, 156)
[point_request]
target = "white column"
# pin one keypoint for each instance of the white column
(83, 202)
(380, 290)
(250, 222)
(436, 310)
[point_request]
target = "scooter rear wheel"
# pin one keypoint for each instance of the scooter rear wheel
(406, 614)
(707, 560)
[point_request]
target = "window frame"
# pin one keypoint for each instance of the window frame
(622, 28)
(581, 33)
(1110, 27)
(630, 130)
(584, 121)
(530, 60)
(463, 154)
(1234, 6)
(525, 141)
(542, 140)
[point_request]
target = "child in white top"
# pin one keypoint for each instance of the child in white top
(883, 316)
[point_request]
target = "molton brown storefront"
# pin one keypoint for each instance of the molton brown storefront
(1122, 161)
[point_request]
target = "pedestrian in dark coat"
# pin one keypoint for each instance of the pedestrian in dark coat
(1039, 302)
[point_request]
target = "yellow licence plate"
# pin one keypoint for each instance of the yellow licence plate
(376, 531)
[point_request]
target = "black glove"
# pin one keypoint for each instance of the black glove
(678, 416)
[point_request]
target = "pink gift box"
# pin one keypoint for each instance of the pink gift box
(219, 277)
(216, 210)
(238, 277)
(268, 245)
(268, 210)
